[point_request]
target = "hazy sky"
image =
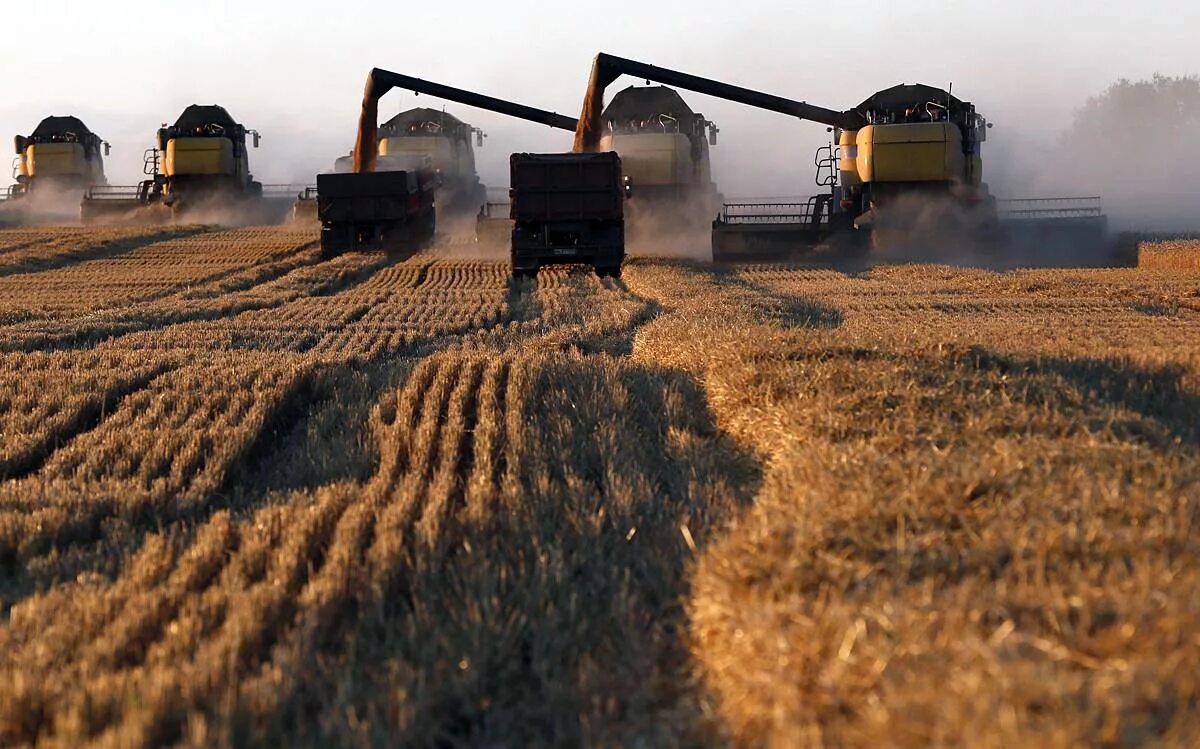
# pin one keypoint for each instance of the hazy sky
(295, 72)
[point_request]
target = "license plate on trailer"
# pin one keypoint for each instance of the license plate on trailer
(564, 251)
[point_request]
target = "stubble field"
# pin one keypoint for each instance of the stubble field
(250, 496)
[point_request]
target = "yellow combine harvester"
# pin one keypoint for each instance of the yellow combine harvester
(447, 142)
(907, 163)
(664, 150)
(55, 164)
(410, 139)
(200, 166)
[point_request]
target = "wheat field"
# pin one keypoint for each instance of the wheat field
(253, 497)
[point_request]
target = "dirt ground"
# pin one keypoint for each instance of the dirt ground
(248, 496)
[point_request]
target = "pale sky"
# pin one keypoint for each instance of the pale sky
(295, 72)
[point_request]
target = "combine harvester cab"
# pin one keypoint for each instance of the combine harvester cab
(54, 166)
(200, 169)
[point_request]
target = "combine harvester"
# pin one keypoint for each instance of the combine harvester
(199, 170)
(664, 150)
(906, 168)
(54, 166)
(408, 139)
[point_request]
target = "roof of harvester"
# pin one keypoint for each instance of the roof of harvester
(906, 95)
(58, 125)
(419, 116)
(199, 115)
(637, 102)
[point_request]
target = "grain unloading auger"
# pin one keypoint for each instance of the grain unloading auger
(199, 166)
(906, 160)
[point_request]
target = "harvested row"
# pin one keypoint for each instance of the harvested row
(141, 326)
(34, 249)
(48, 399)
(145, 272)
(474, 540)
(162, 455)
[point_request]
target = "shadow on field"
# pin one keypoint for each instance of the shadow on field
(786, 309)
(1155, 393)
(317, 436)
(548, 609)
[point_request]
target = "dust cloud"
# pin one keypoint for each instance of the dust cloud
(45, 204)
(945, 231)
(669, 229)
(1136, 146)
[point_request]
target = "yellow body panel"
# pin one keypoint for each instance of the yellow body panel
(440, 151)
(196, 156)
(653, 158)
(847, 158)
(914, 152)
(55, 160)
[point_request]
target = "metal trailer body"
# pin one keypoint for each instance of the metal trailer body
(389, 211)
(567, 208)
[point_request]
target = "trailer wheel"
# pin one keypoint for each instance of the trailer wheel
(525, 273)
